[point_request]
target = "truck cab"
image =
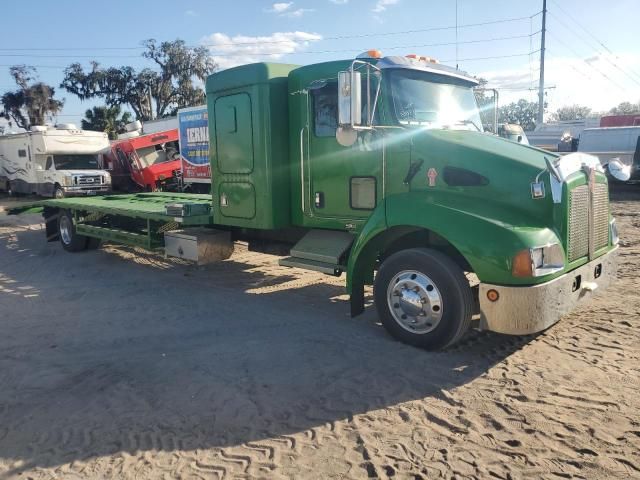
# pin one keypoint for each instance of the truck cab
(395, 183)
(144, 162)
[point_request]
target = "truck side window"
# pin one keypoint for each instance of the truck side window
(49, 163)
(325, 110)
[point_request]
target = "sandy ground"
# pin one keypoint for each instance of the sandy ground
(119, 364)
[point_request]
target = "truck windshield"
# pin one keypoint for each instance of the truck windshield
(151, 155)
(76, 162)
(433, 100)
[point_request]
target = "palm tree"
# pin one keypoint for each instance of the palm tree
(106, 119)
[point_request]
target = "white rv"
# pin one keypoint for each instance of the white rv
(54, 162)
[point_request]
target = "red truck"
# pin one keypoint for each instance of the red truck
(144, 163)
(632, 120)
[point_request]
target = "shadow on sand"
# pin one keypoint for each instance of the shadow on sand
(117, 356)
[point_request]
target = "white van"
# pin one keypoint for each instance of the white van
(54, 162)
(608, 143)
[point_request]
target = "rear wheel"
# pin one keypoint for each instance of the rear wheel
(71, 241)
(423, 298)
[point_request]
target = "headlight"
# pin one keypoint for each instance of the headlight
(538, 261)
(615, 239)
(68, 180)
(107, 178)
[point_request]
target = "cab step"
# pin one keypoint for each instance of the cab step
(320, 251)
(306, 264)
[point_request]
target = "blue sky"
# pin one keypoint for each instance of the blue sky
(591, 59)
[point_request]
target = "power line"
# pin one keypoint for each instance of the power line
(581, 36)
(271, 42)
(62, 67)
(577, 55)
(307, 52)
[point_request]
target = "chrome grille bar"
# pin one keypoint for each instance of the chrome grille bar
(588, 229)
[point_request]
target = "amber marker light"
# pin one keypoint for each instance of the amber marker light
(374, 53)
(493, 295)
(522, 266)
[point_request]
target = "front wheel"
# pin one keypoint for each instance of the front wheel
(58, 192)
(71, 241)
(423, 298)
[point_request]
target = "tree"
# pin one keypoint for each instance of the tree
(32, 102)
(106, 119)
(522, 113)
(571, 112)
(625, 108)
(170, 87)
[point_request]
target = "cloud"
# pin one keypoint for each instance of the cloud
(575, 82)
(241, 49)
(280, 7)
(285, 9)
(381, 5)
(297, 13)
(339, 2)
(190, 13)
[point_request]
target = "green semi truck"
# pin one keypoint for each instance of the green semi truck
(378, 167)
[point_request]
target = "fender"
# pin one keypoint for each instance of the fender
(487, 244)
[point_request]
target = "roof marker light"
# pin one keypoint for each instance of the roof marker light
(373, 53)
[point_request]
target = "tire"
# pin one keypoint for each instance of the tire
(423, 298)
(58, 192)
(70, 240)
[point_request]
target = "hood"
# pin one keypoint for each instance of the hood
(480, 170)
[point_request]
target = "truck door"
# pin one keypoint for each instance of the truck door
(340, 183)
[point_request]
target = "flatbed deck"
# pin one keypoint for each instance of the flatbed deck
(144, 206)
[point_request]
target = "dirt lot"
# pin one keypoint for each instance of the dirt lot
(119, 364)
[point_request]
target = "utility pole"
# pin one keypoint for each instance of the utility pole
(540, 119)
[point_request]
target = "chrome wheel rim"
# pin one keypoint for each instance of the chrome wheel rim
(65, 229)
(414, 301)
(59, 193)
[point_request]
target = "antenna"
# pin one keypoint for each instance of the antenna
(456, 34)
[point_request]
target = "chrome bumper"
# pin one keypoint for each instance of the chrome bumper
(528, 309)
(87, 189)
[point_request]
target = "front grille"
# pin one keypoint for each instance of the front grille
(578, 222)
(582, 212)
(600, 216)
(89, 180)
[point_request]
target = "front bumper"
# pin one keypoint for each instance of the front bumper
(528, 309)
(86, 189)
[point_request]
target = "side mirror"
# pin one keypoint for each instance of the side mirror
(349, 99)
(619, 170)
